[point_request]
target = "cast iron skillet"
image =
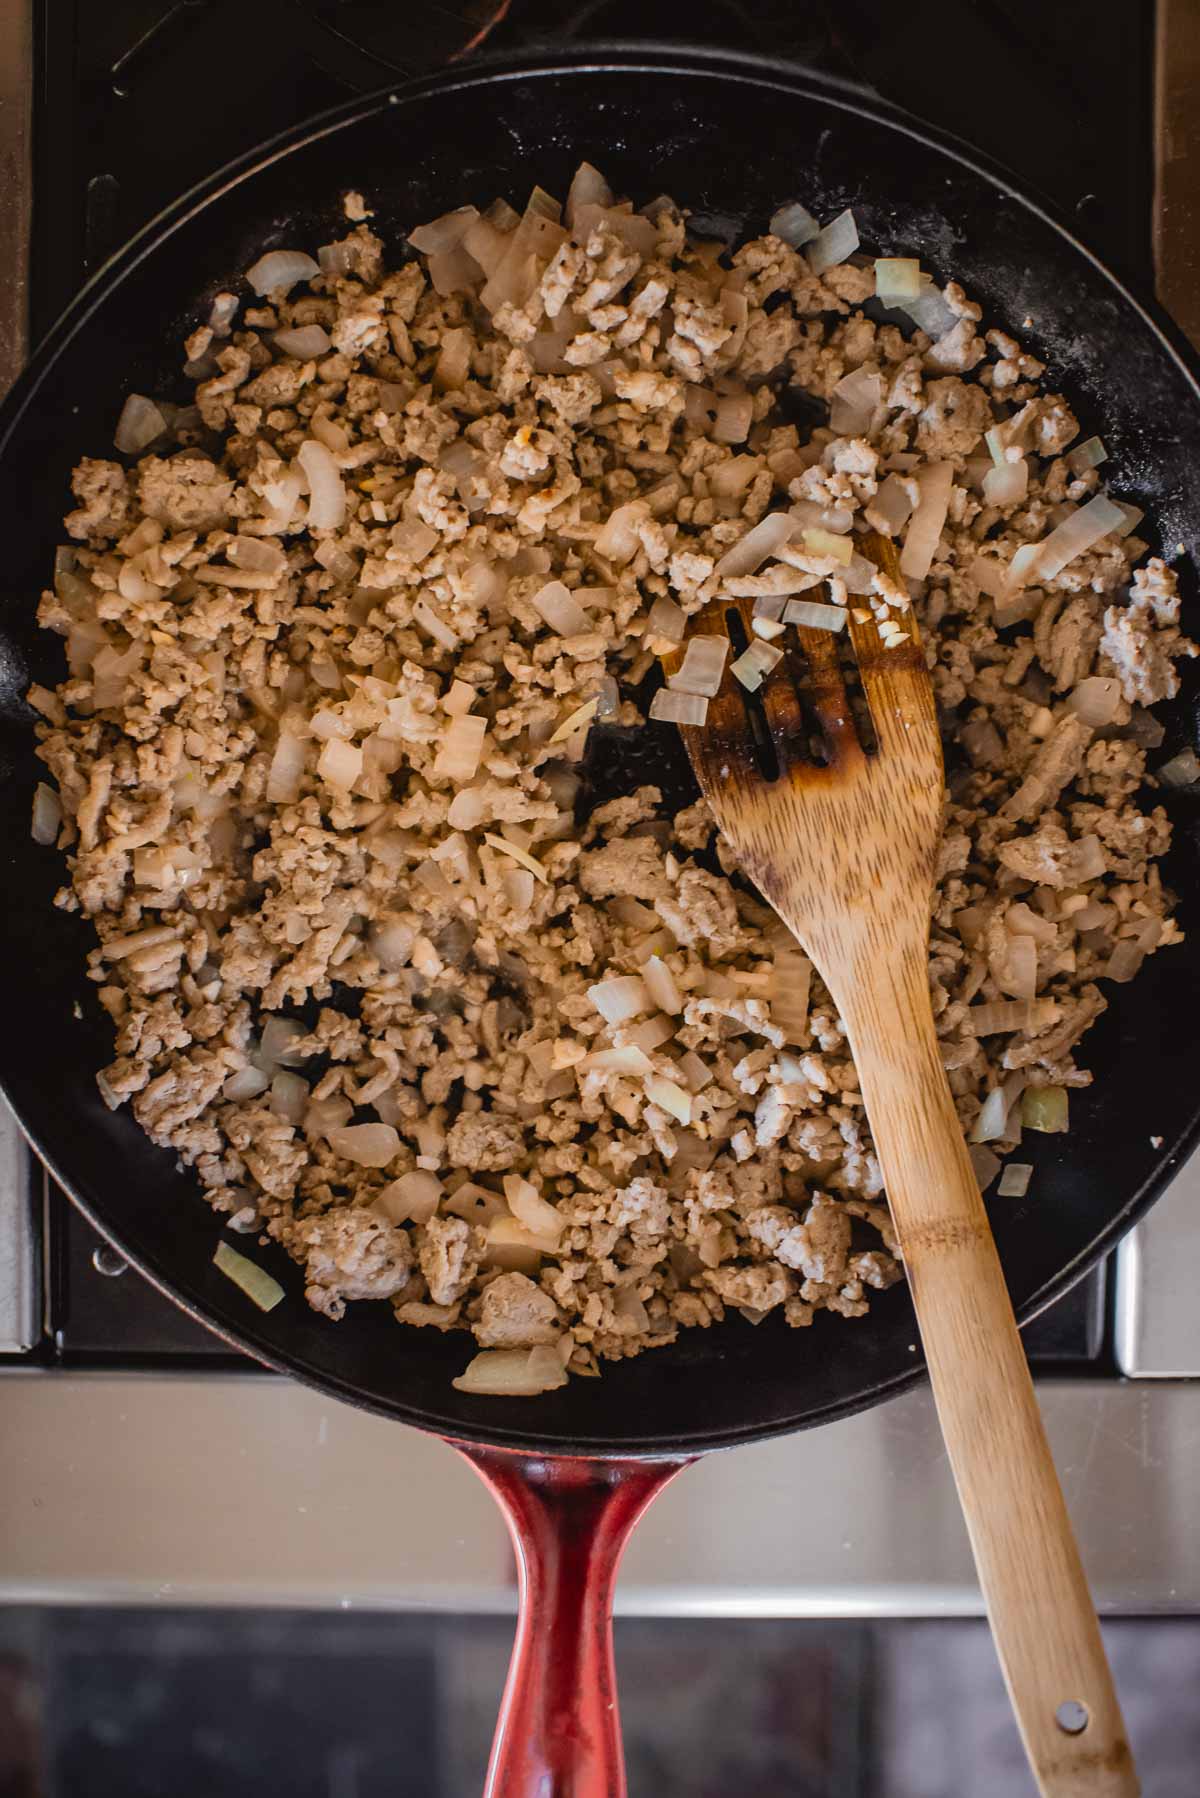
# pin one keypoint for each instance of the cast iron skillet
(732, 139)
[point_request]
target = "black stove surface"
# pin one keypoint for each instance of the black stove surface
(137, 100)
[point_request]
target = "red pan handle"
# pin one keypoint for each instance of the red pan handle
(559, 1733)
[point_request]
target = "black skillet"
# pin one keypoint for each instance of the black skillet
(732, 139)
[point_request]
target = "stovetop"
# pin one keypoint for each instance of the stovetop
(136, 100)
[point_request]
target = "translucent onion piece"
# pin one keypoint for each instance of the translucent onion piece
(254, 1281)
(1076, 535)
(628, 1059)
(661, 986)
(893, 503)
(768, 628)
(1096, 701)
(667, 620)
(1044, 1108)
(531, 1210)
(138, 426)
(561, 610)
(577, 720)
(858, 576)
(828, 543)
(669, 1097)
(795, 224)
(651, 1034)
(813, 616)
(279, 1036)
(279, 270)
(1014, 1181)
(513, 1373)
(304, 341)
(222, 314)
(367, 1145)
(1131, 517)
(853, 403)
(461, 746)
(1088, 454)
(412, 1199)
(286, 772)
(1007, 484)
(925, 528)
(1000, 1015)
(618, 541)
(620, 998)
(443, 233)
(327, 495)
(340, 764)
(754, 664)
(929, 311)
(511, 1245)
(246, 1083)
(669, 707)
(761, 541)
(992, 1121)
(897, 278)
(1183, 770)
(833, 244)
(1022, 920)
(733, 417)
(518, 855)
(1020, 970)
(47, 814)
(1087, 860)
(702, 667)
(289, 1097)
(588, 188)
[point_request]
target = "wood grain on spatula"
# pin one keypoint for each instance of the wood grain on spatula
(844, 844)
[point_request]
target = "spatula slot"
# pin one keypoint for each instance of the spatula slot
(766, 758)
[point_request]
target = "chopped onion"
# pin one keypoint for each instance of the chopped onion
(255, 1282)
(760, 541)
(340, 763)
(327, 496)
(768, 628)
(1088, 454)
(669, 1097)
(246, 1083)
(985, 1164)
(327, 1114)
(561, 610)
(1014, 1181)
(577, 720)
(733, 417)
(222, 313)
(276, 1048)
(513, 1373)
(1087, 859)
(794, 224)
(813, 616)
(620, 998)
(289, 1097)
(897, 278)
(1007, 484)
(286, 771)
(518, 855)
(279, 270)
(367, 1145)
(531, 1210)
(511, 1245)
(47, 814)
(925, 527)
(1022, 920)
(1131, 517)
(1183, 770)
(588, 188)
(929, 311)
(1044, 1108)
(304, 341)
(669, 707)
(893, 503)
(651, 1034)
(853, 403)
(828, 543)
(1018, 1014)
(702, 667)
(992, 1121)
(666, 620)
(443, 233)
(833, 244)
(628, 1059)
(1078, 532)
(1019, 974)
(1096, 700)
(617, 540)
(138, 426)
(754, 664)
(661, 986)
(461, 746)
(412, 1199)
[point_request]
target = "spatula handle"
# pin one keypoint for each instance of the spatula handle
(1041, 1612)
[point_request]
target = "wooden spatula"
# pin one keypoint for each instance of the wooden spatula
(843, 843)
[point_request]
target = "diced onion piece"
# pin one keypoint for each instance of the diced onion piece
(1020, 971)
(561, 610)
(304, 341)
(1077, 534)
(518, 855)
(289, 1097)
(702, 667)
(531, 1210)
(754, 664)
(620, 998)
(794, 224)
(1088, 860)
(992, 1121)
(412, 1199)
(628, 1059)
(138, 426)
(833, 244)
(1014, 1181)
(47, 814)
(1088, 454)
(1183, 770)
(287, 765)
(929, 311)
(254, 1280)
(814, 616)
(853, 403)
(577, 720)
(696, 1072)
(519, 888)
(279, 270)
(511, 1245)
(669, 1097)
(733, 417)
(1096, 701)
(661, 986)
(327, 495)
(768, 628)
(277, 1046)
(443, 233)
(246, 1083)
(461, 746)
(828, 543)
(790, 989)
(367, 1145)
(340, 763)
(897, 278)
(651, 1034)
(1022, 920)
(1017, 1014)
(762, 540)
(588, 188)
(666, 620)
(431, 620)
(893, 503)
(1044, 1108)
(327, 1114)
(1007, 484)
(925, 527)
(669, 707)
(985, 1164)
(617, 540)
(1131, 517)
(513, 1373)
